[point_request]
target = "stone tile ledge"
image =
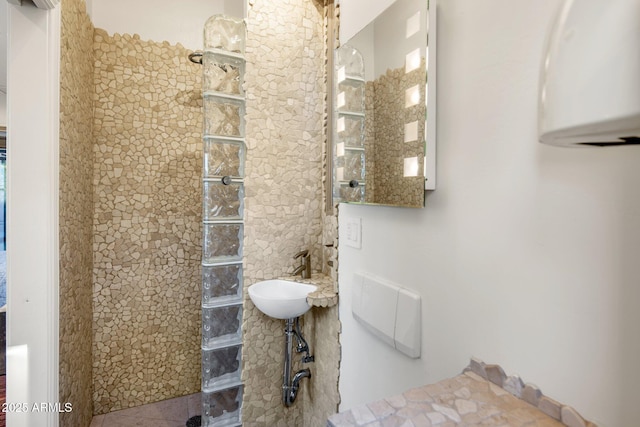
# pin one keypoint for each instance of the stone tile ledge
(528, 393)
(325, 295)
(472, 398)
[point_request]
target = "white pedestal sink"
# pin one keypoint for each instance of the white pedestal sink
(285, 299)
(281, 299)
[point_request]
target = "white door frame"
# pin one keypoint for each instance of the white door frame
(33, 75)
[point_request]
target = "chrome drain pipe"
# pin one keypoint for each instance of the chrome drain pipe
(290, 388)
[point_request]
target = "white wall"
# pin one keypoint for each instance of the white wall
(32, 211)
(525, 255)
(174, 21)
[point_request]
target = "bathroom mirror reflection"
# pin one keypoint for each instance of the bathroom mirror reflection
(384, 117)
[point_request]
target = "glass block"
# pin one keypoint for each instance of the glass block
(349, 194)
(223, 73)
(354, 165)
(222, 408)
(225, 33)
(222, 242)
(350, 166)
(222, 201)
(223, 158)
(353, 95)
(351, 59)
(221, 367)
(223, 116)
(221, 283)
(350, 130)
(220, 325)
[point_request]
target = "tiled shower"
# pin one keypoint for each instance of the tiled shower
(149, 284)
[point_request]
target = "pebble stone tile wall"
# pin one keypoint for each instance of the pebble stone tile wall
(76, 211)
(369, 142)
(321, 330)
(389, 116)
(147, 222)
(320, 395)
(285, 86)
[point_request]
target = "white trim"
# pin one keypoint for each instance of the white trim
(42, 4)
(46, 4)
(32, 210)
(432, 104)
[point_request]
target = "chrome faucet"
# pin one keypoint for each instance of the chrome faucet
(304, 269)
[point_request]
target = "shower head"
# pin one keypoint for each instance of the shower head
(196, 57)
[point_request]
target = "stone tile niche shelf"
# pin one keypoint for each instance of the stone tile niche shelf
(325, 295)
(223, 225)
(481, 395)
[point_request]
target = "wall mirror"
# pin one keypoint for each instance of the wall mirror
(383, 136)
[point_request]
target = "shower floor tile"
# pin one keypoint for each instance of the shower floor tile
(167, 413)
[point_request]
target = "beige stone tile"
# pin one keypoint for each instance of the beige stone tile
(393, 421)
(436, 389)
(436, 418)
(76, 211)
(381, 409)
(112, 420)
(495, 374)
(416, 395)
(362, 415)
(477, 378)
(468, 400)
(486, 410)
(343, 419)
(410, 411)
(194, 404)
(531, 394)
(571, 418)
(169, 410)
(283, 189)
(521, 415)
(448, 412)
(464, 406)
(398, 401)
(550, 407)
(462, 393)
(147, 222)
(97, 421)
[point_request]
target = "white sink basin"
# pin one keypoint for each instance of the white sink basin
(281, 299)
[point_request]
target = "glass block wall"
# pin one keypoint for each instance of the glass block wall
(349, 129)
(223, 201)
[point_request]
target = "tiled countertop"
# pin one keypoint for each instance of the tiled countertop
(325, 295)
(465, 400)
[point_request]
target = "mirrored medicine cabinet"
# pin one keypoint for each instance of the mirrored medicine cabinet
(383, 124)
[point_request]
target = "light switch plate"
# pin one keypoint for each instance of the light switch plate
(353, 233)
